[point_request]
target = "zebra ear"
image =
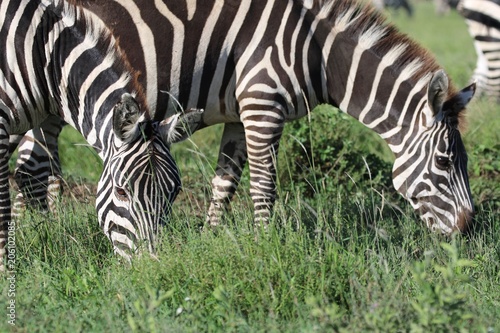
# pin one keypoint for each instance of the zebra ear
(180, 126)
(126, 114)
(454, 106)
(436, 91)
(457, 103)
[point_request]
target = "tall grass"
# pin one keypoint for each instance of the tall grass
(315, 269)
(346, 259)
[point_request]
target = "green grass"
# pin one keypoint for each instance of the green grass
(445, 36)
(344, 259)
(309, 272)
(78, 159)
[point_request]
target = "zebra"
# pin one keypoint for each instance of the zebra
(253, 73)
(483, 22)
(58, 61)
(41, 189)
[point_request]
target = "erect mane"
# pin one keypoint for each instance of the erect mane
(365, 23)
(73, 14)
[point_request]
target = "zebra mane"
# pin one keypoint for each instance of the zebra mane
(370, 27)
(73, 14)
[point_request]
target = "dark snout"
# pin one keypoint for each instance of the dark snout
(465, 221)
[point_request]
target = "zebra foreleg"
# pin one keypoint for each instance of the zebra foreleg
(232, 159)
(262, 137)
(38, 171)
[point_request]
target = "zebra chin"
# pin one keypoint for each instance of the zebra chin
(128, 247)
(446, 223)
(128, 241)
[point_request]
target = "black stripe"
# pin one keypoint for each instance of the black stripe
(481, 18)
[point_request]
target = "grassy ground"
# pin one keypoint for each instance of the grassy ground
(344, 259)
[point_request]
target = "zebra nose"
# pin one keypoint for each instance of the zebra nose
(464, 221)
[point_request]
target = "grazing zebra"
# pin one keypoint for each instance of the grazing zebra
(483, 21)
(57, 61)
(253, 73)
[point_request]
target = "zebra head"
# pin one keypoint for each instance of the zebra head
(140, 179)
(431, 172)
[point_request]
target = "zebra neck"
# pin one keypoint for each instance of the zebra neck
(88, 76)
(373, 73)
(394, 113)
(392, 109)
(367, 87)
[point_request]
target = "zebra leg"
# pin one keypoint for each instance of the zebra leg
(38, 171)
(5, 215)
(14, 141)
(262, 136)
(18, 206)
(232, 159)
(481, 71)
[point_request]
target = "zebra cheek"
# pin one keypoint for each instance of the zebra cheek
(399, 179)
(103, 203)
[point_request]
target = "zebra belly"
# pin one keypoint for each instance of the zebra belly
(216, 118)
(19, 123)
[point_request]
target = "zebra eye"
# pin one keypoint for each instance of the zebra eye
(121, 194)
(443, 162)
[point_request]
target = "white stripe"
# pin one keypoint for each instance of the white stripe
(92, 136)
(3, 10)
(213, 100)
(388, 59)
(258, 34)
(489, 8)
(256, 101)
(342, 22)
(202, 52)
(177, 49)
(365, 42)
(262, 113)
(28, 50)
(403, 76)
(289, 69)
(123, 240)
(11, 56)
(416, 89)
(313, 99)
(66, 70)
(191, 8)
(147, 40)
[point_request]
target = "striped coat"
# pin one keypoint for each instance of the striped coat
(253, 72)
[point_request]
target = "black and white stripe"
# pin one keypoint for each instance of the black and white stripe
(58, 62)
(41, 189)
(254, 65)
(483, 22)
